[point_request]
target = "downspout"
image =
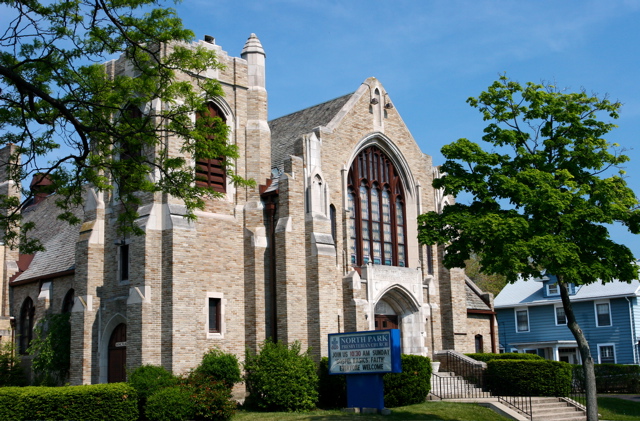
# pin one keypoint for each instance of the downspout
(633, 331)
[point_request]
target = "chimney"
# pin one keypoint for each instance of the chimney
(41, 187)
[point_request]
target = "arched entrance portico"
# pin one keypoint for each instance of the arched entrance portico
(397, 309)
(117, 359)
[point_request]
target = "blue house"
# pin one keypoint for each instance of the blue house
(531, 319)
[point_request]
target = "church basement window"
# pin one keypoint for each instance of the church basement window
(375, 200)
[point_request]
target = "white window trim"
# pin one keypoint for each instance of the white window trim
(205, 311)
(595, 312)
(551, 294)
(555, 315)
(515, 314)
(615, 359)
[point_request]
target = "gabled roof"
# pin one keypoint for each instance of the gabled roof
(531, 292)
(474, 297)
(58, 238)
(287, 129)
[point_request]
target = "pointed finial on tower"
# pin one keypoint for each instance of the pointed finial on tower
(252, 45)
(255, 56)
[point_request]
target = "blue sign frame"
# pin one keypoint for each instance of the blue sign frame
(365, 352)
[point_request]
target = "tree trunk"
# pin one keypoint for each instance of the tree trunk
(585, 353)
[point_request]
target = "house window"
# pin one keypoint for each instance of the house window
(27, 316)
(210, 173)
(123, 262)
(603, 314)
(377, 220)
(561, 318)
(552, 289)
(607, 354)
(522, 320)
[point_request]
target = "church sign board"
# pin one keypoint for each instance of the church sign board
(376, 351)
(364, 357)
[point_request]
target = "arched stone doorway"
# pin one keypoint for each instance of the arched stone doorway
(118, 354)
(397, 308)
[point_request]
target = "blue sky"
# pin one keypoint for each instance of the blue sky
(432, 55)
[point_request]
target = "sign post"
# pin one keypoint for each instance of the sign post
(364, 357)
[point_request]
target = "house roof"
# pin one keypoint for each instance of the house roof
(531, 292)
(58, 238)
(287, 129)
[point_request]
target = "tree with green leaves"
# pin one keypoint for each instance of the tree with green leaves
(51, 350)
(542, 195)
(488, 282)
(73, 122)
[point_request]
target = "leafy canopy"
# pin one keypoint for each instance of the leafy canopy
(542, 192)
(71, 119)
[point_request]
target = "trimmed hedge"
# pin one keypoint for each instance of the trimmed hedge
(487, 356)
(612, 378)
(113, 402)
(412, 385)
(170, 404)
(281, 378)
(332, 388)
(529, 377)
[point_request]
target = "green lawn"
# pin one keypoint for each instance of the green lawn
(615, 409)
(448, 411)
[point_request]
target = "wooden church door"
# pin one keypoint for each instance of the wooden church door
(118, 354)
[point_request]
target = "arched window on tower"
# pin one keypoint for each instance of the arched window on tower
(377, 225)
(210, 172)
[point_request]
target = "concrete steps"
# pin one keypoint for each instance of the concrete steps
(450, 386)
(556, 409)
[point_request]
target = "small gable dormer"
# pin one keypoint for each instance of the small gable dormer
(551, 288)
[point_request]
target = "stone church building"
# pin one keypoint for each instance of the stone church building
(326, 242)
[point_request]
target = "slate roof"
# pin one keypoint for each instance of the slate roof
(287, 129)
(474, 301)
(58, 237)
(530, 292)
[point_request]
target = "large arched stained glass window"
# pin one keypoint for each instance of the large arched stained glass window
(375, 199)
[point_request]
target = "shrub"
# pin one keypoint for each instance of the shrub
(412, 385)
(51, 348)
(113, 402)
(281, 378)
(221, 366)
(11, 373)
(149, 379)
(211, 399)
(529, 377)
(170, 404)
(506, 356)
(332, 388)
